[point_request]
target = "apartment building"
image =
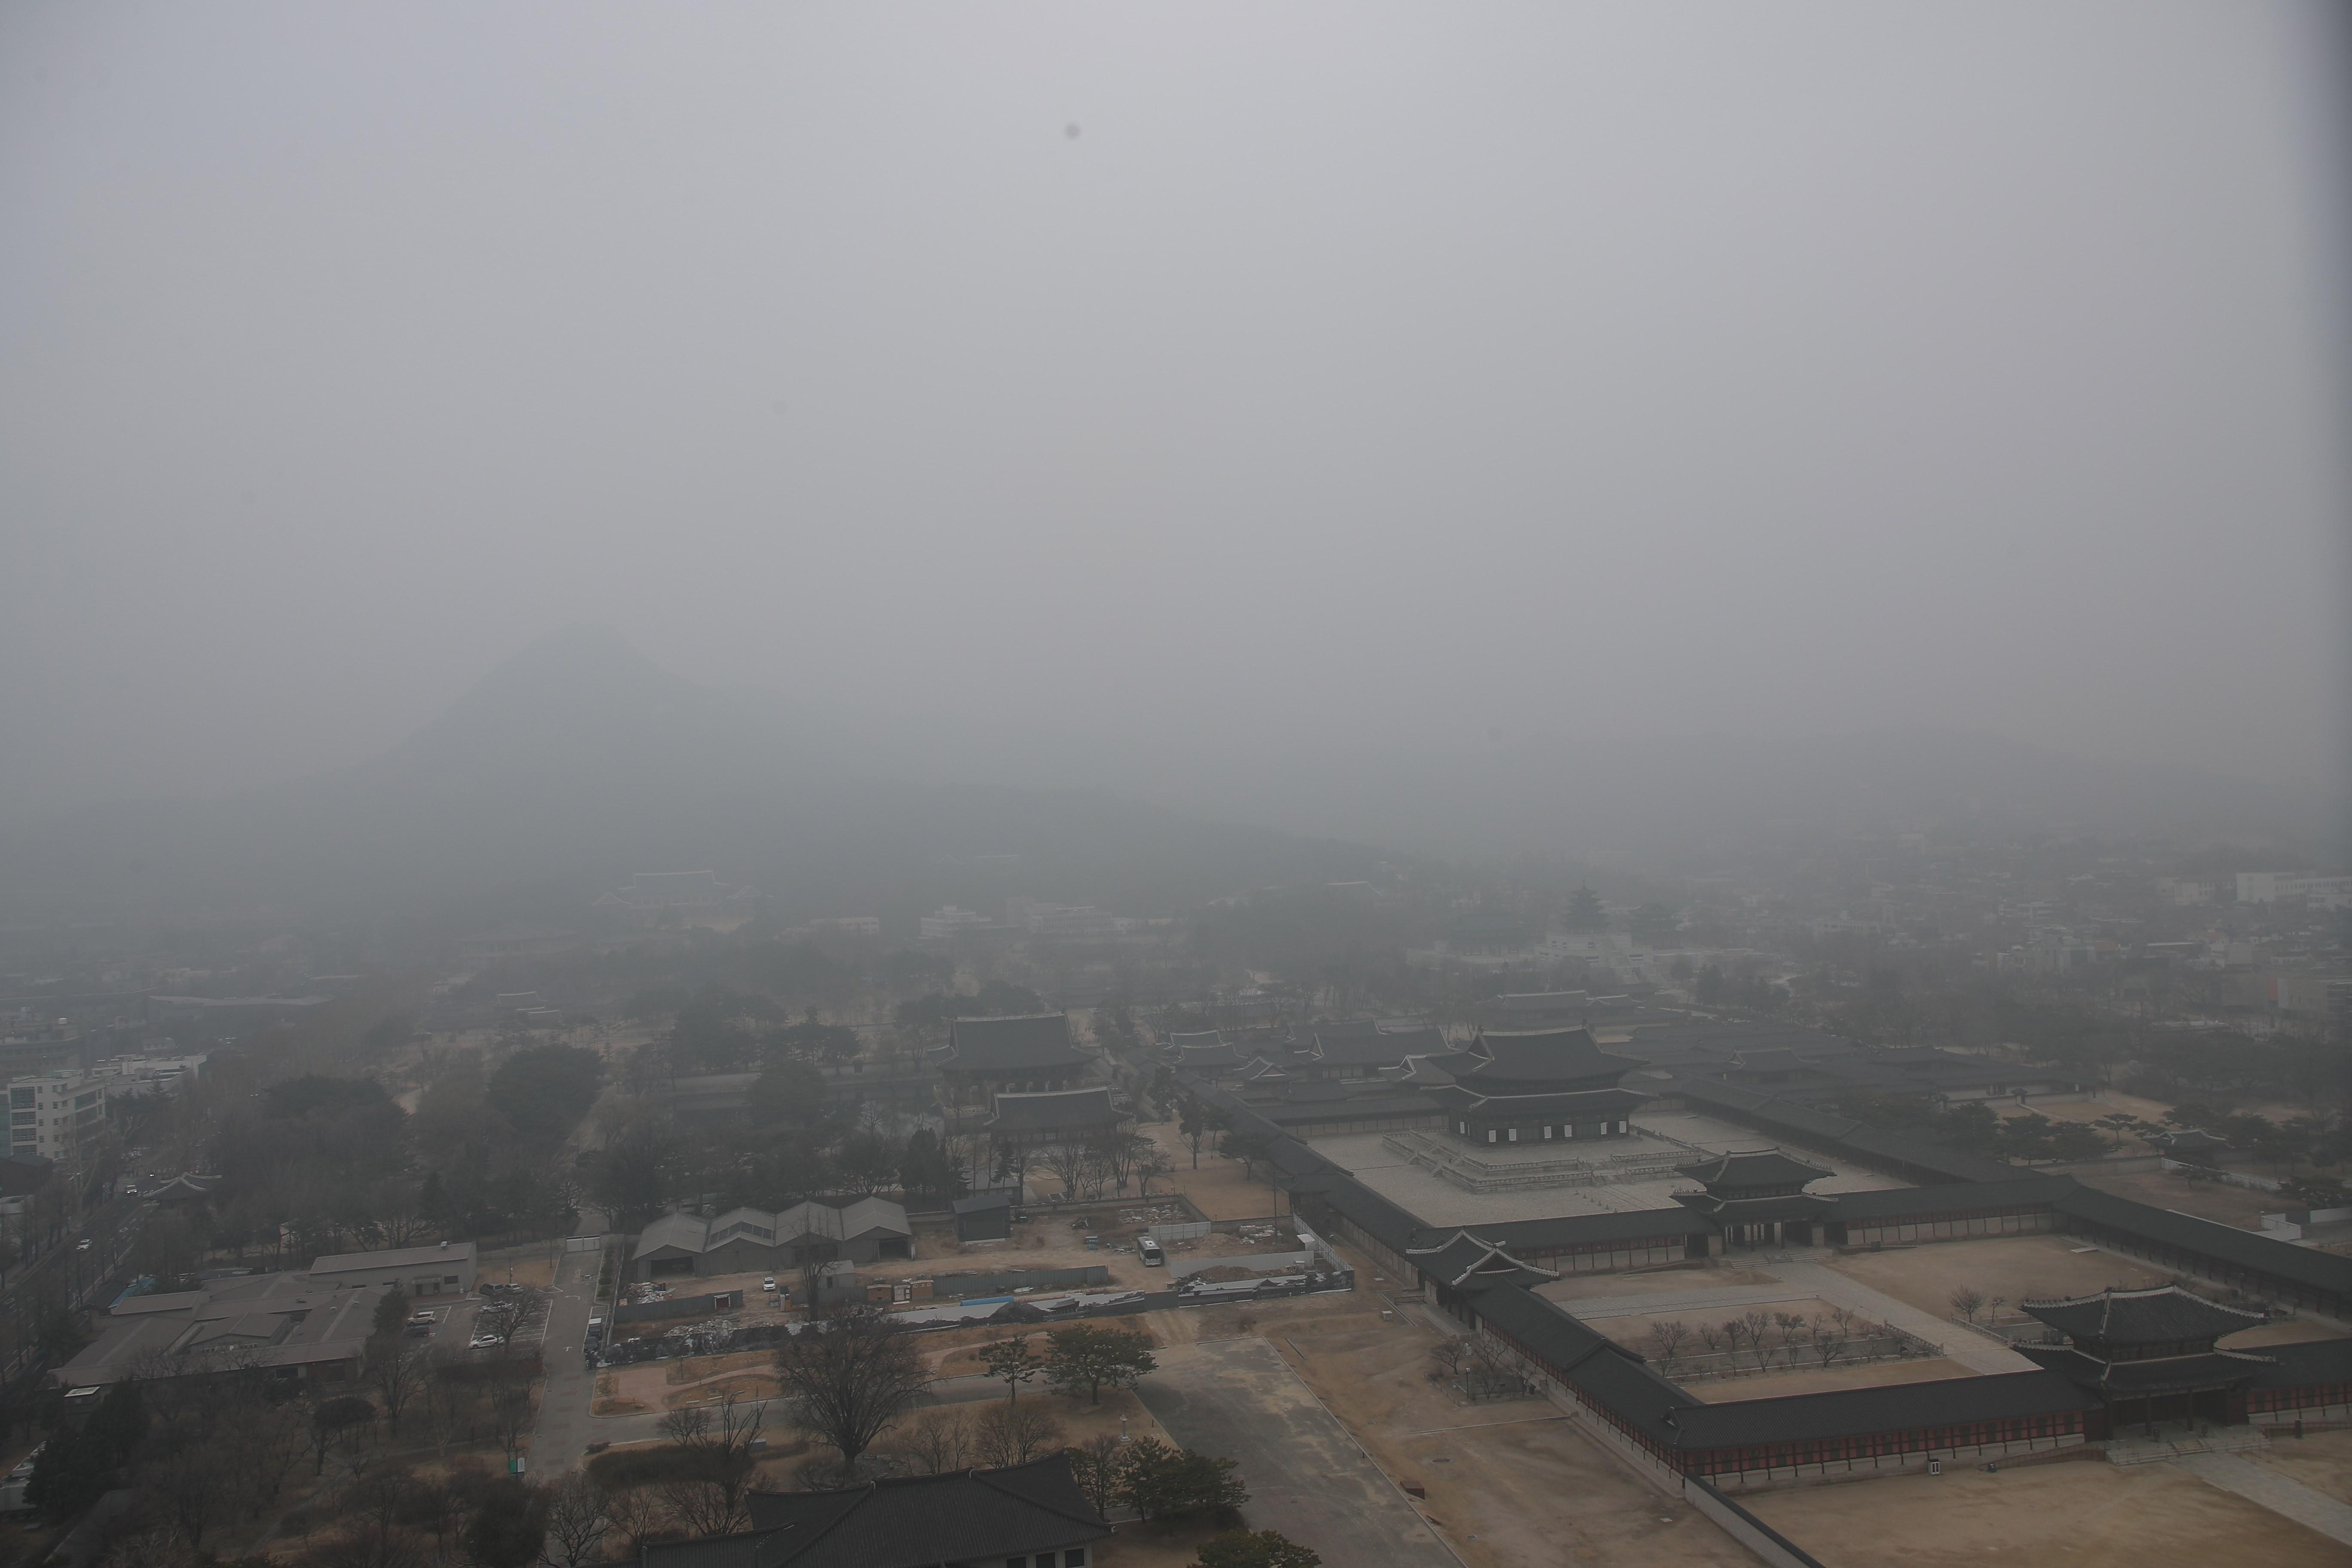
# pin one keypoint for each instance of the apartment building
(56, 1114)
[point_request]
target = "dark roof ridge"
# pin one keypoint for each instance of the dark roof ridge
(2105, 1302)
(994, 1481)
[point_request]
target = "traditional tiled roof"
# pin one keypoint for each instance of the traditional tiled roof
(2244, 1249)
(1532, 1056)
(1054, 1110)
(911, 1521)
(1753, 1168)
(1899, 1408)
(2164, 1315)
(1030, 1042)
(1603, 1102)
(1467, 1262)
(1732, 1209)
(2166, 1375)
(1956, 1198)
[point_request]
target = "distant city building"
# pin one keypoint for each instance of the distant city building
(210, 1017)
(1041, 919)
(850, 925)
(32, 1044)
(505, 944)
(674, 899)
(948, 922)
(2272, 886)
(147, 1078)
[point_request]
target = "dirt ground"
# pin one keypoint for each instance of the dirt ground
(2322, 1462)
(2109, 1103)
(2082, 1514)
(1713, 1274)
(2008, 1267)
(1632, 1331)
(1220, 1189)
(1775, 1384)
(1509, 1483)
(2239, 1206)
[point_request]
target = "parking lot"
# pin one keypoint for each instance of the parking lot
(456, 1323)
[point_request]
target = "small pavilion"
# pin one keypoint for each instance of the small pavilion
(2151, 1355)
(1757, 1198)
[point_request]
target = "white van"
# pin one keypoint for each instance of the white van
(1149, 1251)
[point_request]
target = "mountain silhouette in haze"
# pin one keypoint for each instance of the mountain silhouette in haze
(580, 761)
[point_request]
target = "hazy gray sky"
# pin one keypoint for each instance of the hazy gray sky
(1241, 371)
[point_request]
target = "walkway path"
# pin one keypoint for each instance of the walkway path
(2284, 1496)
(561, 1436)
(1307, 1476)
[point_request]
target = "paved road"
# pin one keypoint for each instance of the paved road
(1305, 1476)
(564, 1424)
(2283, 1495)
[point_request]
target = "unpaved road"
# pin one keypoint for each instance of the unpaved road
(1306, 1477)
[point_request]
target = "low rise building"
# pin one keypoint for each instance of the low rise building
(149, 1077)
(750, 1241)
(255, 1320)
(446, 1268)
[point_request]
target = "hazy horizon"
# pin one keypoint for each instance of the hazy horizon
(1228, 383)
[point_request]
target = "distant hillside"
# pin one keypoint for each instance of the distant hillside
(580, 763)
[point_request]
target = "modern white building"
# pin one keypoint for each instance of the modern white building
(135, 1077)
(55, 1115)
(948, 922)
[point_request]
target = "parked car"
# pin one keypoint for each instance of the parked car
(1149, 1251)
(768, 1283)
(485, 1342)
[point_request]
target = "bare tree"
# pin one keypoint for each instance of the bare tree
(943, 1443)
(510, 1418)
(718, 1440)
(851, 1377)
(1066, 1162)
(1827, 1347)
(577, 1521)
(1097, 1464)
(1010, 1434)
(1667, 1337)
(190, 1486)
(1968, 1302)
(399, 1377)
(636, 1513)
